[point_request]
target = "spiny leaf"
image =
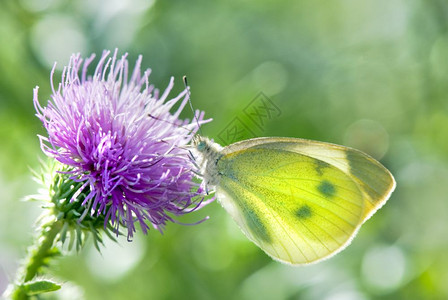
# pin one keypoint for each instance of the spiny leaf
(40, 286)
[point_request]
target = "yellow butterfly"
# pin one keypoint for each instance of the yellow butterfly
(300, 201)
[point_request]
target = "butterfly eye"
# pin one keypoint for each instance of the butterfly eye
(201, 146)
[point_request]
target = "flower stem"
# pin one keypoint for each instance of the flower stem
(38, 256)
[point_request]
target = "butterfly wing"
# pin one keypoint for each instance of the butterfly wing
(299, 200)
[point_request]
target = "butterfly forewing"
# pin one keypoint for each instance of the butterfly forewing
(296, 207)
(374, 180)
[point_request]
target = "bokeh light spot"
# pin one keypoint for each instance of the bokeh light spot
(383, 268)
(347, 295)
(368, 136)
(55, 38)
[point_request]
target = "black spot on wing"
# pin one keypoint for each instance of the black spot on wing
(326, 188)
(304, 212)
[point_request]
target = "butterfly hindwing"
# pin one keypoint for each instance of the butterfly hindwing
(298, 207)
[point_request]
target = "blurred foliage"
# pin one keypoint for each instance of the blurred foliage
(370, 74)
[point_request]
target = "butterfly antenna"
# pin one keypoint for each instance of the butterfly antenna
(191, 105)
(169, 122)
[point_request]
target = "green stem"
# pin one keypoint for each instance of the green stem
(38, 255)
(42, 251)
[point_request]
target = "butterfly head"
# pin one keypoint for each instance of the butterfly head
(200, 143)
(205, 146)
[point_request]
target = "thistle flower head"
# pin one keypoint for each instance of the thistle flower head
(121, 140)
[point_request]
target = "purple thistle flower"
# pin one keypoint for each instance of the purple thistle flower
(119, 137)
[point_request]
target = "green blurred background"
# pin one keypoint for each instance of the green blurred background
(369, 74)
